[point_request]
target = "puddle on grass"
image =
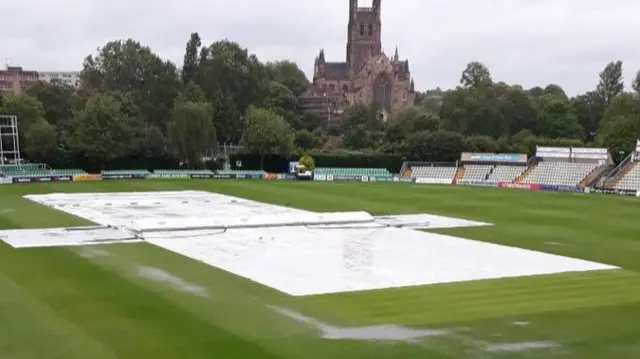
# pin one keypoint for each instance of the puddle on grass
(520, 347)
(161, 276)
(370, 333)
(89, 252)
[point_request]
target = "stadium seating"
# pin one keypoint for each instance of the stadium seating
(354, 172)
(476, 172)
(631, 179)
(560, 173)
(433, 172)
(31, 171)
(506, 173)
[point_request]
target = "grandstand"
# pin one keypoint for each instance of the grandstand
(37, 170)
(491, 167)
(506, 173)
(353, 172)
(433, 173)
(567, 166)
(627, 175)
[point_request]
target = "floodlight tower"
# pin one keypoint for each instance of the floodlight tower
(9, 140)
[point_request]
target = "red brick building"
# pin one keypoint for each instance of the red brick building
(15, 79)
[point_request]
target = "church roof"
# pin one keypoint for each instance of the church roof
(336, 70)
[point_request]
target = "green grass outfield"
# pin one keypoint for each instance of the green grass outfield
(55, 303)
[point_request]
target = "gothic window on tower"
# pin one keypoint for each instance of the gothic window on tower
(361, 29)
(370, 29)
(383, 93)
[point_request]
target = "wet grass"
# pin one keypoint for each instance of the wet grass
(57, 303)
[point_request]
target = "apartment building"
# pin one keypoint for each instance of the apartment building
(69, 78)
(15, 79)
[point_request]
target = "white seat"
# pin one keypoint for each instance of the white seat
(560, 173)
(506, 173)
(434, 172)
(631, 180)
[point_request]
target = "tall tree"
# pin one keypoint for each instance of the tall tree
(282, 101)
(589, 109)
(611, 82)
(556, 118)
(636, 83)
(107, 128)
(289, 74)
(41, 142)
(555, 90)
(233, 79)
(129, 67)
(26, 108)
(620, 128)
(190, 63)
(266, 133)
(57, 98)
(191, 132)
(476, 75)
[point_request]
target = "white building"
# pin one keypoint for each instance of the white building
(70, 78)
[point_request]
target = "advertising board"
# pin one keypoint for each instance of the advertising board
(169, 176)
(87, 177)
(559, 188)
(527, 186)
(478, 183)
(433, 181)
(41, 179)
(123, 176)
(5, 180)
(227, 176)
(404, 179)
(615, 191)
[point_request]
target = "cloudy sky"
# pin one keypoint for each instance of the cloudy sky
(531, 42)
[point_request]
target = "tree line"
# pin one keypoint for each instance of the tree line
(134, 109)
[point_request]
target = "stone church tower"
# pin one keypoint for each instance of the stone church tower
(367, 76)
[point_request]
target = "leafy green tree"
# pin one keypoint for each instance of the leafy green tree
(556, 118)
(556, 91)
(435, 146)
(190, 62)
(129, 67)
(412, 119)
(308, 162)
(304, 140)
(232, 79)
(26, 108)
(476, 75)
(283, 102)
(58, 100)
(636, 84)
(611, 82)
(361, 127)
(266, 133)
(518, 110)
(41, 142)
(106, 129)
(288, 74)
(620, 126)
(191, 133)
(589, 109)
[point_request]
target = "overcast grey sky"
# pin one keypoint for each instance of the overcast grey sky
(530, 42)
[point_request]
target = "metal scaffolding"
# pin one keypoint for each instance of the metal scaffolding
(9, 140)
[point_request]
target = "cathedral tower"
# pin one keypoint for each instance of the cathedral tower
(364, 34)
